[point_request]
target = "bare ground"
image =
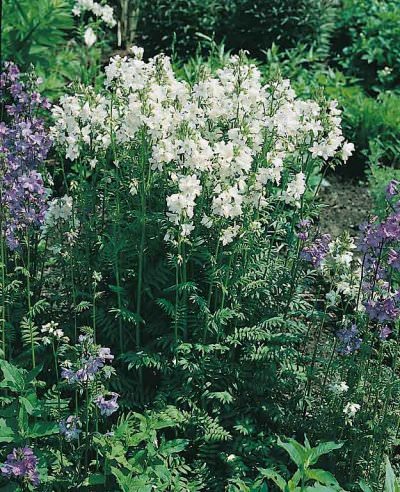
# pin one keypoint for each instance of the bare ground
(347, 204)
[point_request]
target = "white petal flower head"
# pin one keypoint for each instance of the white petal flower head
(89, 37)
(296, 188)
(339, 388)
(350, 410)
(347, 151)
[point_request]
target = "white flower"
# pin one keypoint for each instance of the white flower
(133, 187)
(332, 297)
(296, 188)
(339, 388)
(187, 229)
(229, 234)
(206, 142)
(347, 150)
(89, 37)
(207, 221)
(97, 277)
(350, 410)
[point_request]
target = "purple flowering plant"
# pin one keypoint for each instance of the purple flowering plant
(21, 464)
(24, 146)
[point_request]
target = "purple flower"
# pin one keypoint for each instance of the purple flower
(24, 145)
(349, 341)
(381, 310)
(69, 427)
(392, 189)
(105, 354)
(384, 332)
(108, 406)
(317, 251)
(303, 227)
(394, 259)
(90, 365)
(22, 464)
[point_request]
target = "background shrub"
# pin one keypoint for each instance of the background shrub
(367, 42)
(244, 24)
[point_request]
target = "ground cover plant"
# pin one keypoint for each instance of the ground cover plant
(172, 315)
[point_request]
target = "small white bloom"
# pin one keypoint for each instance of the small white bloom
(89, 37)
(187, 229)
(351, 409)
(347, 150)
(97, 276)
(339, 388)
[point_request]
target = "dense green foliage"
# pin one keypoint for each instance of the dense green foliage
(254, 26)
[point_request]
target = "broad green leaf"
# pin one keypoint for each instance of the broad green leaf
(40, 429)
(320, 488)
(7, 434)
(391, 482)
(273, 475)
(13, 376)
(364, 486)
(314, 454)
(94, 479)
(295, 450)
(174, 446)
(322, 476)
(34, 373)
(31, 404)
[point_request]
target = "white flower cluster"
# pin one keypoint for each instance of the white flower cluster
(103, 12)
(224, 146)
(60, 209)
(53, 333)
(343, 270)
(350, 411)
(339, 388)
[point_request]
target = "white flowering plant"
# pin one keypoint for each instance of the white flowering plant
(178, 247)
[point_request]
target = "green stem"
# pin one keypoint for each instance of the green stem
(3, 293)
(28, 288)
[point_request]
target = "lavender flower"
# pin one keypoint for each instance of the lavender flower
(22, 464)
(317, 251)
(93, 359)
(24, 145)
(108, 406)
(394, 259)
(349, 341)
(303, 227)
(384, 332)
(69, 427)
(392, 189)
(384, 309)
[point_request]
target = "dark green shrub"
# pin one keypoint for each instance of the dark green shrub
(245, 24)
(255, 26)
(367, 41)
(162, 21)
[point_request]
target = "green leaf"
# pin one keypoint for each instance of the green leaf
(322, 476)
(174, 446)
(33, 373)
(7, 434)
(364, 486)
(40, 429)
(31, 404)
(324, 448)
(124, 481)
(94, 479)
(13, 376)
(296, 451)
(391, 482)
(273, 475)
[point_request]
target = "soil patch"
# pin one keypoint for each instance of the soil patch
(347, 202)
